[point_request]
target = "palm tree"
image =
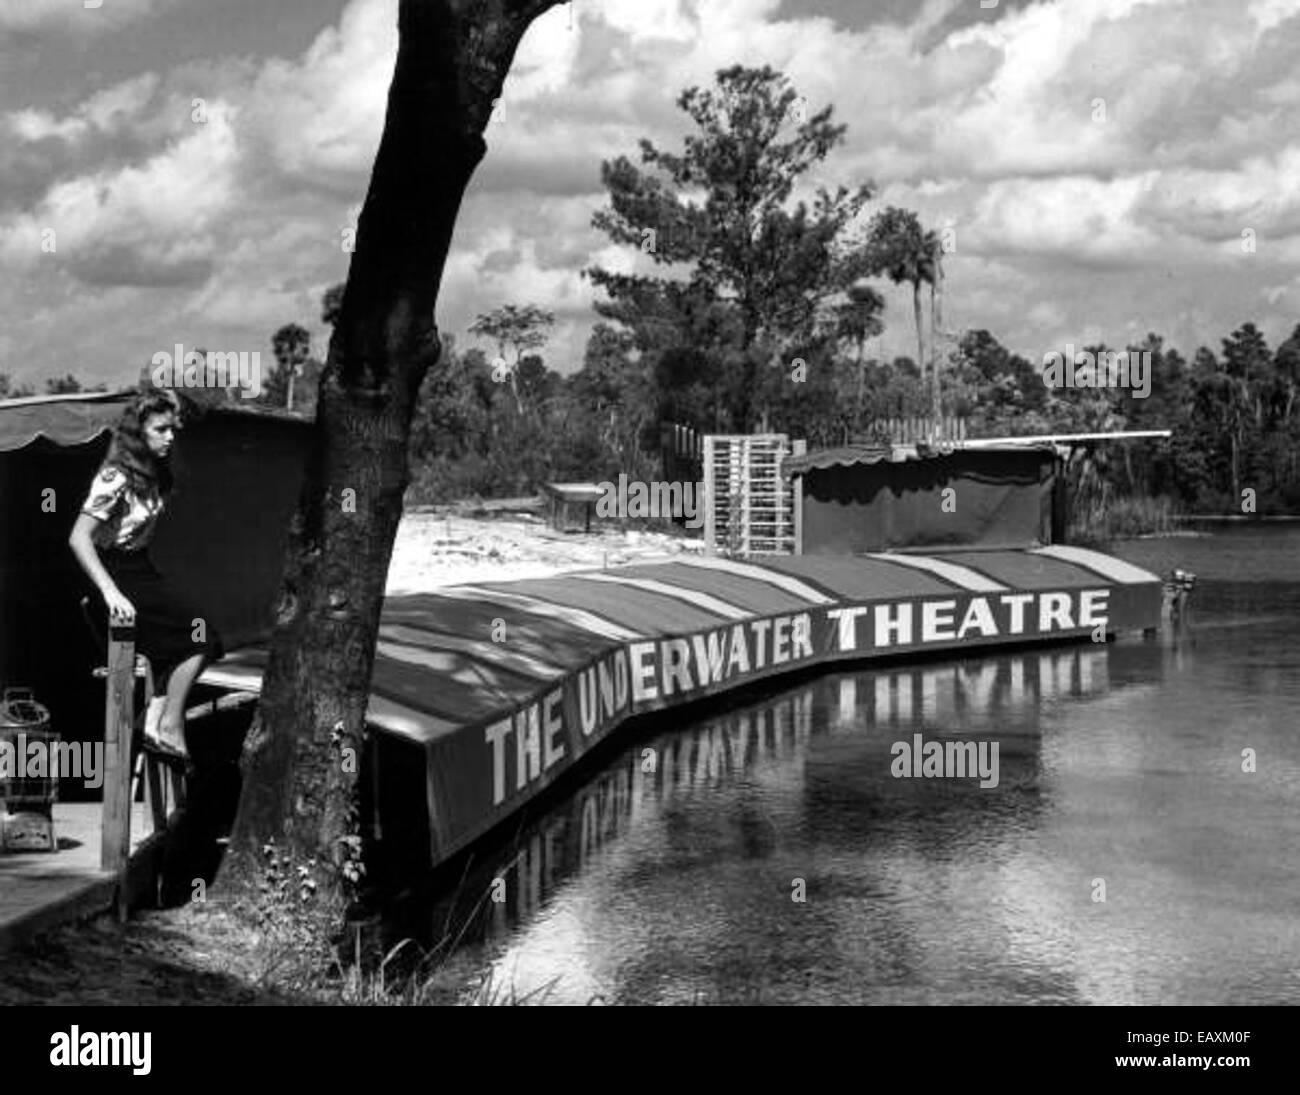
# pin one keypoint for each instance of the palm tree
(937, 333)
(858, 320)
(905, 252)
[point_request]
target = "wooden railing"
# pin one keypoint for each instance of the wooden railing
(681, 453)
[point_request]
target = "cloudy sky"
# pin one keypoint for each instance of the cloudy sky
(1097, 160)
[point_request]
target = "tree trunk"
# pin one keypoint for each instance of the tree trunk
(920, 333)
(936, 328)
(302, 758)
(1236, 483)
(862, 379)
(514, 387)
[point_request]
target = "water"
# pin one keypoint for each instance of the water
(672, 875)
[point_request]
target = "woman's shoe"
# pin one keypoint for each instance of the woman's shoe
(165, 748)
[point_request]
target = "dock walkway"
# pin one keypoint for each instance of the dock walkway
(41, 890)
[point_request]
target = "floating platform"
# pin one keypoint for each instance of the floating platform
(484, 695)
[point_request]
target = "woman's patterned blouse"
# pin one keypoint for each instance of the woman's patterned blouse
(126, 518)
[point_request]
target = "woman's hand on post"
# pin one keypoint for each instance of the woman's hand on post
(120, 610)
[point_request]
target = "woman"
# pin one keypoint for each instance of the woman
(111, 542)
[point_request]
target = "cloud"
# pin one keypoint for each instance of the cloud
(74, 15)
(110, 111)
(1076, 218)
(146, 225)
(316, 122)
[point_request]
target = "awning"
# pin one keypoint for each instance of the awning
(849, 456)
(63, 419)
(79, 417)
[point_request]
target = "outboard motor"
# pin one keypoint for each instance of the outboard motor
(1176, 606)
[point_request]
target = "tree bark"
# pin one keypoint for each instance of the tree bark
(303, 754)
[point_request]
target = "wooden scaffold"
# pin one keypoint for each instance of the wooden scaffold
(749, 508)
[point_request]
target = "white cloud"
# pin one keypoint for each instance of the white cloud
(322, 115)
(673, 20)
(1268, 14)
(105, 111)
(148, 220)
(1077, 219)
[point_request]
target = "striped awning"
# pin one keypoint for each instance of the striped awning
(465, 654)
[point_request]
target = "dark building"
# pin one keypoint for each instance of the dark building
(863, 499)
(224, 535)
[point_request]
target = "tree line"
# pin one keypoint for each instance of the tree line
(743, 311)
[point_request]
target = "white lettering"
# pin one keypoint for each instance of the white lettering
(637, 654)
(848, 620)
(896, 624)
(932, 620)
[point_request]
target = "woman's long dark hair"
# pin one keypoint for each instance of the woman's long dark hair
(130, 451)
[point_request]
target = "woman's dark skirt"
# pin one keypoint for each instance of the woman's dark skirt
(169, 628)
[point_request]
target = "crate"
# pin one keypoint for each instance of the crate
(27, 799)
(18, 789)
(28, 831)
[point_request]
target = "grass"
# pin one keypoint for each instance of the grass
(1123, 518)
(279, 952)
(205, 955)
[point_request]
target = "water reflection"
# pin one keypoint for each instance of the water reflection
(811, 764)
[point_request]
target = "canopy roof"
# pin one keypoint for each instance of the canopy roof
(64, 419)
(849, 456)
(79, 417)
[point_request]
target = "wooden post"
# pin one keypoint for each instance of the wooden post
(119, 703)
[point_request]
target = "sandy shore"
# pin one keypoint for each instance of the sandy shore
(435, 549)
